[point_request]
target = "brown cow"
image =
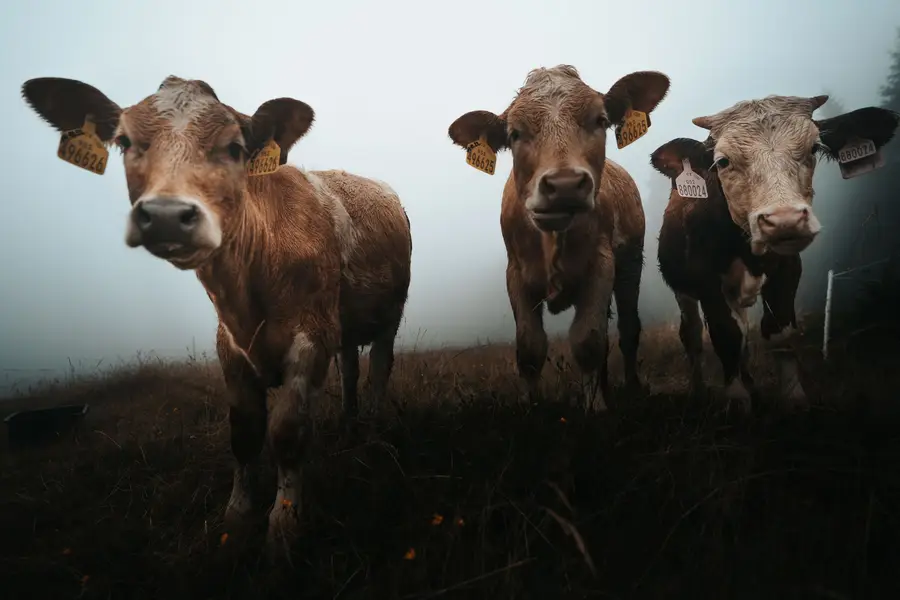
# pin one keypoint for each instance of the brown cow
(572, 221)
(299, 265)
(744, 239)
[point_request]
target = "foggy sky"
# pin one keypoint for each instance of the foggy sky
(385, 79)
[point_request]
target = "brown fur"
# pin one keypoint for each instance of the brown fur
(299, 265)
(558, 122)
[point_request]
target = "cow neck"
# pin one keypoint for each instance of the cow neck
(230, 275)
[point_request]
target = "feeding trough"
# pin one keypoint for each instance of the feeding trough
(32, 427)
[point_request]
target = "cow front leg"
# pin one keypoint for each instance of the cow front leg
(728, 333)
(290, 432)
(531, 339)
(691, 333)
(779, 321)
(247, 423)
(588, 335)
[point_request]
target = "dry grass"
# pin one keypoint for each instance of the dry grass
(664, 497)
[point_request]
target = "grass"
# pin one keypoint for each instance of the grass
(453, 491)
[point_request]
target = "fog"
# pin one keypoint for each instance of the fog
(386, 79)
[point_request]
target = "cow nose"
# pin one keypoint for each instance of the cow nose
(166, 220)
(566, 189)
(783, 219)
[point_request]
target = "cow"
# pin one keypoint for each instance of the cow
(571, 219)
(745, 237)
(300, 266)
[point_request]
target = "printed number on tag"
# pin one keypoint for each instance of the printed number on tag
(689, 184)
(82, 148)
(633, 128)
(265, 160)
(856, 150)
(480, 155)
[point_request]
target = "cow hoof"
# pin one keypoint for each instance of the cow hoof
(594, 403)
(796, 400)
(284, 529)
(737, 398)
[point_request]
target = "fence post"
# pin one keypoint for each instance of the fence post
(827, 331)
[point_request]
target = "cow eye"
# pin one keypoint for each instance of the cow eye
(123, 142)
(602, 122)
(817, 147)
(235, 151)
(514, 135)
(722, 163)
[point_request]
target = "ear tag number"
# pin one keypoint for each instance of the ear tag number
(634, 127)
(858, 157)
(689, 183)
(266, 160)
(480, 155)
(81, 147)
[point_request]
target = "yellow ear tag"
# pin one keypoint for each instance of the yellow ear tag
(265, 160)
(633, 128)
(82, 148)
(480, 155)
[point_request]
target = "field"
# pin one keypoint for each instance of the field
(453, 491)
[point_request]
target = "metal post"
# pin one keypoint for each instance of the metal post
(827, 331)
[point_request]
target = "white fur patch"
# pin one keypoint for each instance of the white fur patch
(240, 502)
(343, 224)
(298, 360)
(181, 103)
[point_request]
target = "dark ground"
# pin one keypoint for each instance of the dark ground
(664, 497)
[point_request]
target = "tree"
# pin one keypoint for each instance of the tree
(890, 91)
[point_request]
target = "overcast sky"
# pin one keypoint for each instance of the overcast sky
(386, 79)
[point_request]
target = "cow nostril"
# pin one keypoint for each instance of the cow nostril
(547, 188)
(584, 183)
(190, 216)
(142, 217)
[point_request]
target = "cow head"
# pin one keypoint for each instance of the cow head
(556, 129)
(185, 156)
(764, 152)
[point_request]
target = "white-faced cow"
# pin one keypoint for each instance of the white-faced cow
(745, 238)
(571, 219)
(299, 265)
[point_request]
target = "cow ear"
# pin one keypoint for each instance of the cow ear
(870, 123)
(284, 119)
(667, 159)
(642, 90)
(66, 103)
(477, 124)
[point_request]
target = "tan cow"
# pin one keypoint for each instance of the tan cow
(299, 265)
(571, 219)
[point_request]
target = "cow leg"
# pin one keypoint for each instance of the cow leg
(247, 422)
(728, 332)
(691, 333)
(290, 431)
(778, 320)
(588, 334)
(531, 339)
(381, 362)
(348, 361)
(629, 264)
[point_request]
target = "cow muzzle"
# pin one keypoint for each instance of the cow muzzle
(561, 195)
(175, 229)
(784, 229)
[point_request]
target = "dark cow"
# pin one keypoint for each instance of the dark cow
(744, 239)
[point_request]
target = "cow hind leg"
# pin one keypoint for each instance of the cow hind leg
(691, 333)
(588, 336)
(348, 361)
(290, 431)
(629, 264)
(381, 363)
(728, 332)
